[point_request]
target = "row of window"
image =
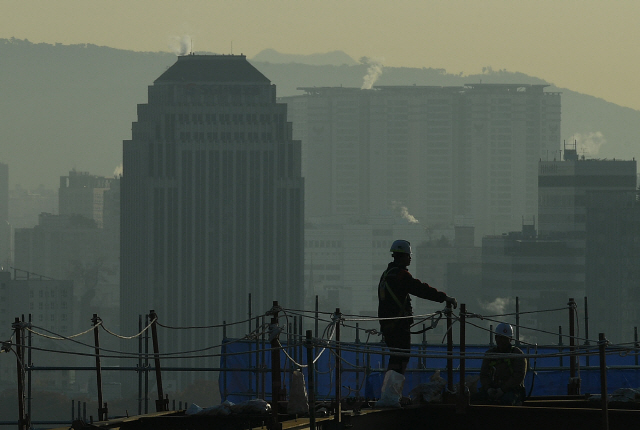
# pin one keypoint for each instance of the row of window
(225, 136)
(228, 118)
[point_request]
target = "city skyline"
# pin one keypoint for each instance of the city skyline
(586, 46)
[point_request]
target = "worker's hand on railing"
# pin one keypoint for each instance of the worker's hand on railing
(452, 300)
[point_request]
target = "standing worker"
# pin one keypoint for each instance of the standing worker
(502, 379)
(396, 284)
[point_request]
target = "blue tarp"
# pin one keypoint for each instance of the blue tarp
(244, 379)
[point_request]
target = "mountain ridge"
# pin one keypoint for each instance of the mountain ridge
(71, 106)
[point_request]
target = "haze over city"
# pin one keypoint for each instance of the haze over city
(205, 158)
(588, 46)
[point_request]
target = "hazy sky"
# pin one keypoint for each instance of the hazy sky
(587, 46)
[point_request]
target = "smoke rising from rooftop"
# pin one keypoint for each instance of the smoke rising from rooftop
(374, 71)
(181, 45)
(589, 143)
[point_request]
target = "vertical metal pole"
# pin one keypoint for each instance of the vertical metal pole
(224, 351)
(316, 319)
(338, 410)
(358, 359)
(17, 326)
(300, 348)
(602, 344)
(275, 367)
(490, 334)
(30, 363)
(574, 384)
(162, 404)
(560, 348)
(463, 311)
(312, 384)
(635, 342)
(139, 366)
(517, 321)
(146, 366)
(249, 356)
(424, 345)
(96, 338)
(249, 312)
(258, 364)
(263, 373)
(73, 410)
(586, 328)
(449, 348)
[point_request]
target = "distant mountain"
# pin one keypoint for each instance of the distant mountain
(335, 58)
(71, 106)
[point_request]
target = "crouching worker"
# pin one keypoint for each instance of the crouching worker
(502, 379)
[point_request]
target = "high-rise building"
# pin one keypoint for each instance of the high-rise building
(5, 227)
(211, 201)
(440, 152)
(48, 304)
(563, 186)
(83, 194)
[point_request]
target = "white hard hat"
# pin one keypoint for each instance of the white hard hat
(401, 246)
(504, 329)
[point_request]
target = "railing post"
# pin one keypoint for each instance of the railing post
(224, 351)
(463, 400)
(162, 404)
(311, 379)
(29, 365)
(517, 321)
(102, 411)
(635, 343)
(139, 366)
(490, 334)
(574, 382)
(338, 411)
(449, 348)
(602, 344)
(358, 358)
(275, 364)
(586, 329)
(17, 326)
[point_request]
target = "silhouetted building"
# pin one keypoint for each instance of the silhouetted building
(212, 202)
(542, 273)
(26, 205)
(441, 152)
(5, 227)
(72, 247)
(563, 186)
(612, 232)
(83, 194)
(452, 264)
(50, 304)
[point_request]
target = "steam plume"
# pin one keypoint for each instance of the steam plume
(180, 45)
(590, 142)
(118, 171)
(373, 71)
(404, 213)
(497, 306)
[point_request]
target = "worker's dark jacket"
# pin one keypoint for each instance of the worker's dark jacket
(396, 284)
(504, 373)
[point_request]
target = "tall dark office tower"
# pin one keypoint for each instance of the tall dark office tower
(211, 202)
(5, 228)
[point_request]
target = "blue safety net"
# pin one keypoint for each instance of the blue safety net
(248, 373)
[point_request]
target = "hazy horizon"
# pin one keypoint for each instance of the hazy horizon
(586, 46)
